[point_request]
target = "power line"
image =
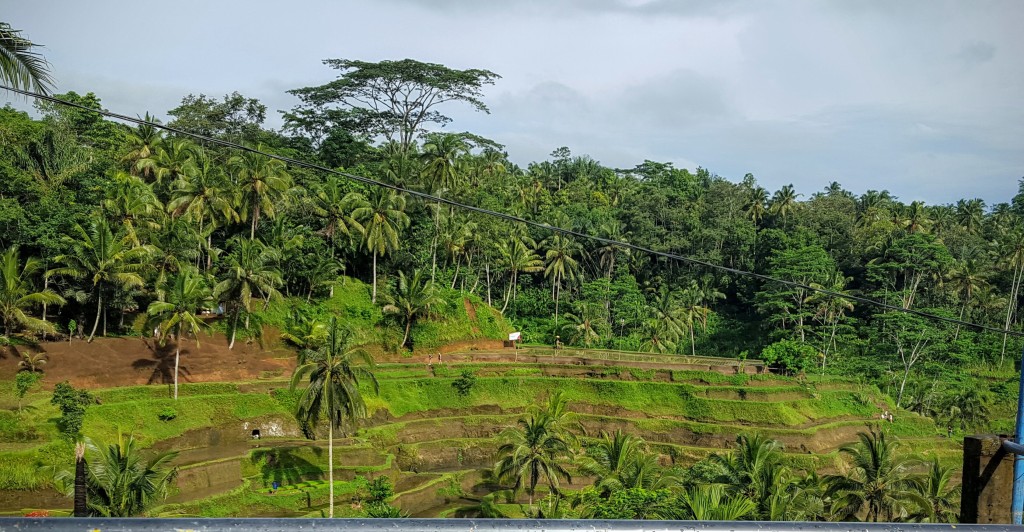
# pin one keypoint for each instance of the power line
(516, 219)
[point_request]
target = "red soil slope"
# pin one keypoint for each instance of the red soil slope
(108, 362)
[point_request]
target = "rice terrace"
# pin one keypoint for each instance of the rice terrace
(318, 296)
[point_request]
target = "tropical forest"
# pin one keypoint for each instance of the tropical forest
(368, 312)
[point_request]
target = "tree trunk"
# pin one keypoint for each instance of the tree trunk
(433, 243)
(557, 297)
(903, 384)
(177, 355)
(104, 323)
(46, 286)
(1010, 307)
(456, 276)
(99, 310)
(693, 342)
(408, 325)
(255, 219)
(330, 466)
(81, 508)
(373, 299)
(234, 329)
(487, 270)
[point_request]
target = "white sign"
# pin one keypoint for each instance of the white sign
(514, 336)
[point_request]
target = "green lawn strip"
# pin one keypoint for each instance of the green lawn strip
(655, 398)
(247, 501)
(141, 417)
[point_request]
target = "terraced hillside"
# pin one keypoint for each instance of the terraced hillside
(436, 443)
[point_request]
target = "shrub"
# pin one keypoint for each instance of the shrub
(23, 382)
(464, 384)
(790, 355)
(380, 489)
(72, 404)
(167, 414)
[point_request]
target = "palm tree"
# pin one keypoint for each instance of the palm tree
(108, 259)
(383, 217)
(583, 324)
(413, 298)
(694, 313)
(609, 459)
(756, 204)
(943, 501)
(206, 196)
(710, 503)
(142, 142)
(333, 375)
(249, 272)
(173, 160)
(177, 312)
(830, 311)
(532, 451)
(966, 279)
(517, 255)
(664, 323)
(132, 203)
(18, 294)
(754, 468)
(880, 481)
(560, 265)
(970, 213)
(332, 203)
(262, 182)
(440, 155)
(917, 220)
(120, 483)
(21, 66)
(784, 202)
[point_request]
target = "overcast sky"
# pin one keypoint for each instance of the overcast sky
(922, 98)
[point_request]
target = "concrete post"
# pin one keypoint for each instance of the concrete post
(987, 481)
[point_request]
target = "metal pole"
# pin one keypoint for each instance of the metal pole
(1017, 502)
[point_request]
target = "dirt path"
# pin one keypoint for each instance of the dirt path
(107, 362)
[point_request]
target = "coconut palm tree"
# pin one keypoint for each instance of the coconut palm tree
(560, 265)
(609, 459)
(262, 182)
(119, 481)
(441, 152)
(516, 255)
(664, 323)
(966, 279)
(530, 452)
(177, 312)
(879, 483)
(754, 466)
(757, 200)
(173, 160)
(18, 294)
(332, 391)
(332, 203)
(108, 259)
(582, 326)
(710, 503)
(413, 298)
(943, 500)
(20, 65)
(142, 143)
(132, 203)
(249, 272)
(382, 214)
(205, 197)
(784, 202)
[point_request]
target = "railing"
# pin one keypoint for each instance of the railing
(466, 525)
